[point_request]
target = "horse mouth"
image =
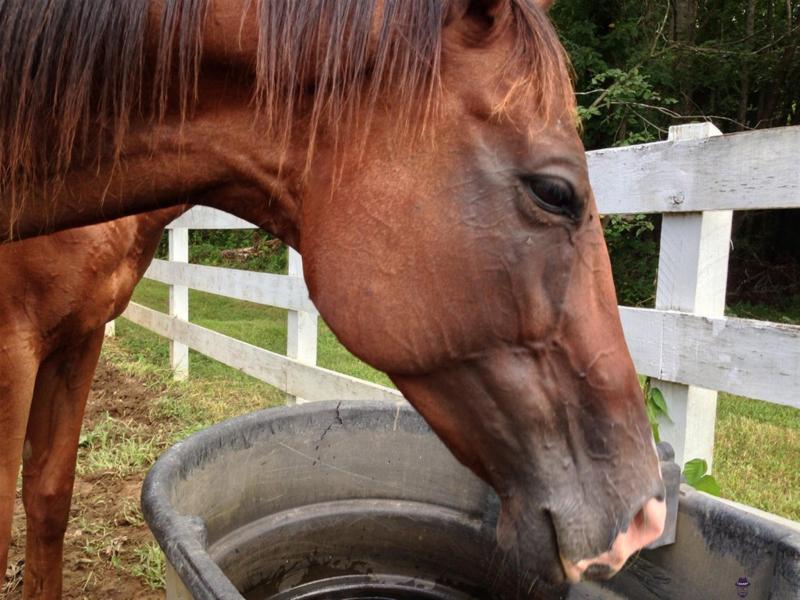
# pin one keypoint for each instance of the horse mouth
(645, 527)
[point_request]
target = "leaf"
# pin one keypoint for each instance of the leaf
(661, 404)
(694, 470)
(708, 485)
(656, 434)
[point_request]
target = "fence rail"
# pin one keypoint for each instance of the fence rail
(282, 291)
(686, 344)
(740, 171)
(292, 376)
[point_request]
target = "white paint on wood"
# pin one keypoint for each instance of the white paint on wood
(301, 334)
(692, 275)
(262, 288)
(179, 302)
(754, 359)
(111, 329)
(203, 217)
(693, 262)
(742, 171)
(309, 382)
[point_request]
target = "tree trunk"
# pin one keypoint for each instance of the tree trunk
(744, 94)
(781, 72)
(685, 20)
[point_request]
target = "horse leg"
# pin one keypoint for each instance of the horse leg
(59, 400)
(17, 377)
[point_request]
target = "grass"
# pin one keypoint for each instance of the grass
(757, 454)
(757, 444)
(118, 447)
(262, 326)
(150, 566)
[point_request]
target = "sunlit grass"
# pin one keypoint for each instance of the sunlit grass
(757, 454)
(262, 326)
(150, 566)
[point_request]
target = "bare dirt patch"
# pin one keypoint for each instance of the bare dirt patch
(107, 540)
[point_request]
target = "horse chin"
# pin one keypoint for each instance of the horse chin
(529, 553)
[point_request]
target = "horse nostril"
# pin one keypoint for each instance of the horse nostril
(598, 572)
(645, 527)
(638, 521)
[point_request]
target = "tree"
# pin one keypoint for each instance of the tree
(643, 65)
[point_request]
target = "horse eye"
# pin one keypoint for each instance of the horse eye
(553, 194)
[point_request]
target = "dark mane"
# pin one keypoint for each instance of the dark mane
(73, 72)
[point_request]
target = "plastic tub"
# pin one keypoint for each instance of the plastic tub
(361, 500)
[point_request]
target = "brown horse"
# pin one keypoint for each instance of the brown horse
(59, 292)
(424, 158)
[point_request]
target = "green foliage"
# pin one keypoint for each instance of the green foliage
(695, 471)
(642, 66)
(696, 474)
(621, 96)
(656, 407)
(633, 248)
(208, 247)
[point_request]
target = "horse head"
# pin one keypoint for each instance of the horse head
(472, 269)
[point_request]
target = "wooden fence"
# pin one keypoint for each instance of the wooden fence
(696, 179)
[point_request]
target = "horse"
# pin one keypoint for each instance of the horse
(424, 158)
(54, 310)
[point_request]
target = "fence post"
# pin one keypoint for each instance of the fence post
(301, 334)
(178, 239)
(111, 328)
(692, 277)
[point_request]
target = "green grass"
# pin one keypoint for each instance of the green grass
(788, 313)
(118, 447)
(150, 566)
(262, 326)
(757, 456)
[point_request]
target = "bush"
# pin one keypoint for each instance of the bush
(633, 246)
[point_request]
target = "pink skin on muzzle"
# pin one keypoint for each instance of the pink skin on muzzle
(646, 527)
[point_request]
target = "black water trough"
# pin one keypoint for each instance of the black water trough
(361, 500)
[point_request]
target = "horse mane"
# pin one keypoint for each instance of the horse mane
(73, 72)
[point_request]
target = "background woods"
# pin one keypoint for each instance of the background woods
(642, 66)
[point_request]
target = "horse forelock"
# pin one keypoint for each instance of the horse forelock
(73, 73)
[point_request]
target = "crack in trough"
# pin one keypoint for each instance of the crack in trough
(329, 427)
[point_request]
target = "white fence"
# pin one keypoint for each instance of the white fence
(696, 179)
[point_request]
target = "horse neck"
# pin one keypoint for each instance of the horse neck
(152, 224)
(149, 229)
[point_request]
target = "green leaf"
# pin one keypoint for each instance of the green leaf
(694, 470)
(656, 434)
(708, 485)
(661, 404)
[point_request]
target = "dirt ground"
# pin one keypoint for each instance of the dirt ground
(105, 523)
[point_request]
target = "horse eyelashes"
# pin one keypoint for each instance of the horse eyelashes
(554, 194)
